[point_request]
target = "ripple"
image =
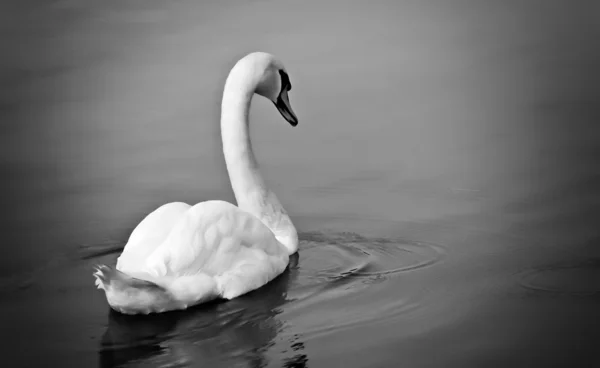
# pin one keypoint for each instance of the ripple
(581, 279)
(47, 275)
(341, 276)
(96, 250)
(360, 256)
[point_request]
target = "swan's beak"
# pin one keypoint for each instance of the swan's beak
(285, 109)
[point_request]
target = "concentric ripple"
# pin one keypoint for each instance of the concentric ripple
(581, 279)
(340, 278)
(359, 256)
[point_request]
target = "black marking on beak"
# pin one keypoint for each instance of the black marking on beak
(283, 100)
(285, 81)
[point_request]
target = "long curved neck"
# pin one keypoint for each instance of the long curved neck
(235, 134)
(247, 183)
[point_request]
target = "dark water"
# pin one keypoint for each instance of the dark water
(444, 178)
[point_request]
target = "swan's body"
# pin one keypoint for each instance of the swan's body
(182, 255)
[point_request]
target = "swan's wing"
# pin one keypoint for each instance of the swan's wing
(149, 234)
(218, 239)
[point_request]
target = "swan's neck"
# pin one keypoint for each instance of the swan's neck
(247, 183)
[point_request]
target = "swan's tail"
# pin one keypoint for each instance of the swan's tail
(130, 295)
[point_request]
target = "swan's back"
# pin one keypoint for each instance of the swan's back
(213, 245)
(212, 237)
(149, 234)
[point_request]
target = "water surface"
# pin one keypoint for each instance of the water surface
(443, 179)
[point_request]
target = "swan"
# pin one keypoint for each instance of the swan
(181, 255)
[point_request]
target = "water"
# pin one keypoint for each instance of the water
(443, 178)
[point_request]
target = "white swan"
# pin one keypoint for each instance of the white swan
(182, 255)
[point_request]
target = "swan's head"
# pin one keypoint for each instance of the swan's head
(272, 81)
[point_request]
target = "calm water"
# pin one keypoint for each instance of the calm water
(444, 179)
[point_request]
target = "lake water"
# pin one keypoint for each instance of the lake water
(444, 179)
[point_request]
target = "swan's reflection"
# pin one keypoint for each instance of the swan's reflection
(230, 334)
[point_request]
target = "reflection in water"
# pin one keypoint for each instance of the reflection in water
(232, 333)
(132, 339)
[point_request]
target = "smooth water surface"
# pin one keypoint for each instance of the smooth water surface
(443, 178)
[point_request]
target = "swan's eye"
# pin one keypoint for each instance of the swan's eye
(286, 85)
